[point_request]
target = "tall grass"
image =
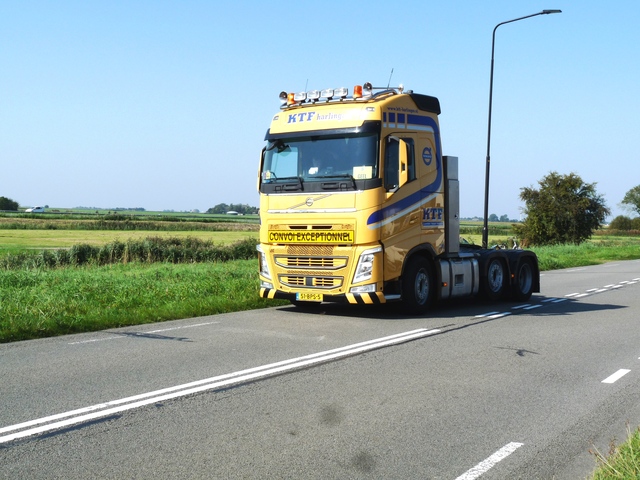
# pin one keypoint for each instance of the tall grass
(587, 253)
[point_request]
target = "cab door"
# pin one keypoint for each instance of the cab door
(401, 220)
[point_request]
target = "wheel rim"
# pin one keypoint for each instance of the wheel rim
(422, 287)
(495, 276)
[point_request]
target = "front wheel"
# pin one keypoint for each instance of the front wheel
(523, 287)
(417, 286)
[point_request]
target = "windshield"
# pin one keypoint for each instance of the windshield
(319, 158)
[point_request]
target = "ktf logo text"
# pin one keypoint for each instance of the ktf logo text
(300, 117)
(430, 214)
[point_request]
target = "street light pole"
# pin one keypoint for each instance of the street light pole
(485, 227)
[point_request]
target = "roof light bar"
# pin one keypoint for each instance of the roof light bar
(327, 94)
(341, 92)
(360, 92)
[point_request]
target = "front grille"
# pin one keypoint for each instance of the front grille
(310, 250)
(326, 263)
(307, 266)
(310, 281)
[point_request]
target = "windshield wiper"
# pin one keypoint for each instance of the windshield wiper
(336, 176)
(285, 183)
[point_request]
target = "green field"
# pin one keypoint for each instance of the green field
(18, 240)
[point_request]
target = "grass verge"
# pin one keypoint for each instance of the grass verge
(622, 462)
(47, 302)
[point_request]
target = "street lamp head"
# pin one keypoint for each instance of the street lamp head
(547, 12)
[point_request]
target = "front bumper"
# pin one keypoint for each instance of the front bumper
(367, 298)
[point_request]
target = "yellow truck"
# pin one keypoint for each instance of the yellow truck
(358, 205)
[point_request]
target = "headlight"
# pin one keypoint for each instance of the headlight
(264, 266)
(364, 269)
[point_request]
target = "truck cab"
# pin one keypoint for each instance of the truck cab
(359, 205)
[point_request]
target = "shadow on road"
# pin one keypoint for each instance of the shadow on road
(538, 305)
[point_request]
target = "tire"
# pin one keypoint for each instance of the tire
(523, 287)
(417, 286)
(493, 287)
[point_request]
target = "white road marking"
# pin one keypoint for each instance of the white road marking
(518, 307)
(490, 462)
(531, 307)
(142, 334)
(616, 376)
(603, 289)
(101, 410)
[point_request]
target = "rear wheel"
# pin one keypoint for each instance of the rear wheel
(417, 286)
(494, 286)
(523, 287)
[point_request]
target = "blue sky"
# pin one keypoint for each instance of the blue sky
(164, 104)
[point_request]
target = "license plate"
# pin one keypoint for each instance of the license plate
(309, 297)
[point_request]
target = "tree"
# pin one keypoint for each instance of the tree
(243, 209)
(625, 223)
(632, 199)
(563, 210)
(504, 218)
(493, 218)
(8, 204)
(220, 208)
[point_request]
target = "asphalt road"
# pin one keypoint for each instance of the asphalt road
(472, 390)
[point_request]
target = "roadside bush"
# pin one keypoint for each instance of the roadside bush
(147, 250)
(622, 222)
